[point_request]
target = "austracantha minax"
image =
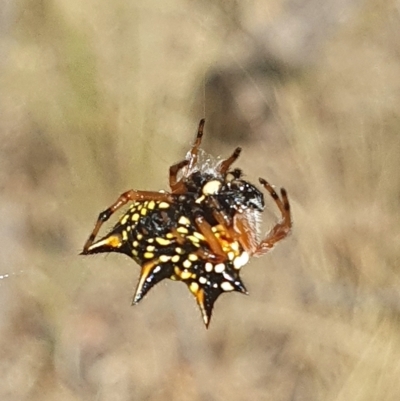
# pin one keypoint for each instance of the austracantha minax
(201, 232)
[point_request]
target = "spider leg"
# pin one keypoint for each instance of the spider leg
(194, 151)
(223, 218)
(245, 234)
(217, 254)
(123, 199)
(224, 165)
(177, 186)
(282, 228)
(179, 238)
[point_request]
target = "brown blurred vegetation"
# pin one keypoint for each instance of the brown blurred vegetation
(97, 97)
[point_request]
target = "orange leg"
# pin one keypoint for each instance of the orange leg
(179, 238)
(126, 197)
(246, 236)
(281, 229)
(217, 254)
(177, 186)
(223, 219)
(194, 151)
(223, 167)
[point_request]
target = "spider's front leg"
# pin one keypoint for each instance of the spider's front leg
(177, 186)
(282, 228)
(224, 165)
(194, 151)
(123, 199)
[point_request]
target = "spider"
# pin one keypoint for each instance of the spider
(201, 232)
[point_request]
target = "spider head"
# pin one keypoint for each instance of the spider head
(240, 195)
(232, 193)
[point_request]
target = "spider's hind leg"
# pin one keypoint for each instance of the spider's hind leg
(282, 228)
(122, 200)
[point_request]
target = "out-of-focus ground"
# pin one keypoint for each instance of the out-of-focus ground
(97, 97)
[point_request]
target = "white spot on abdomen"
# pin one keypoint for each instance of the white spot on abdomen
(241, 260)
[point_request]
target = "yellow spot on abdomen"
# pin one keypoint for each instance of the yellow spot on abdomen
(113, 241)
(185, 275)
(124, 219)
(199, 236)
(194, 287)
(187, 263)
(162, 241)
(164, 258)
(193, 239)
(184, 221)
(175, 258)
(182, 230)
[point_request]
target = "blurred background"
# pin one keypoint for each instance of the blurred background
(98, 97)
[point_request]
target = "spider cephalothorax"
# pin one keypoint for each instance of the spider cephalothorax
(202, 232)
